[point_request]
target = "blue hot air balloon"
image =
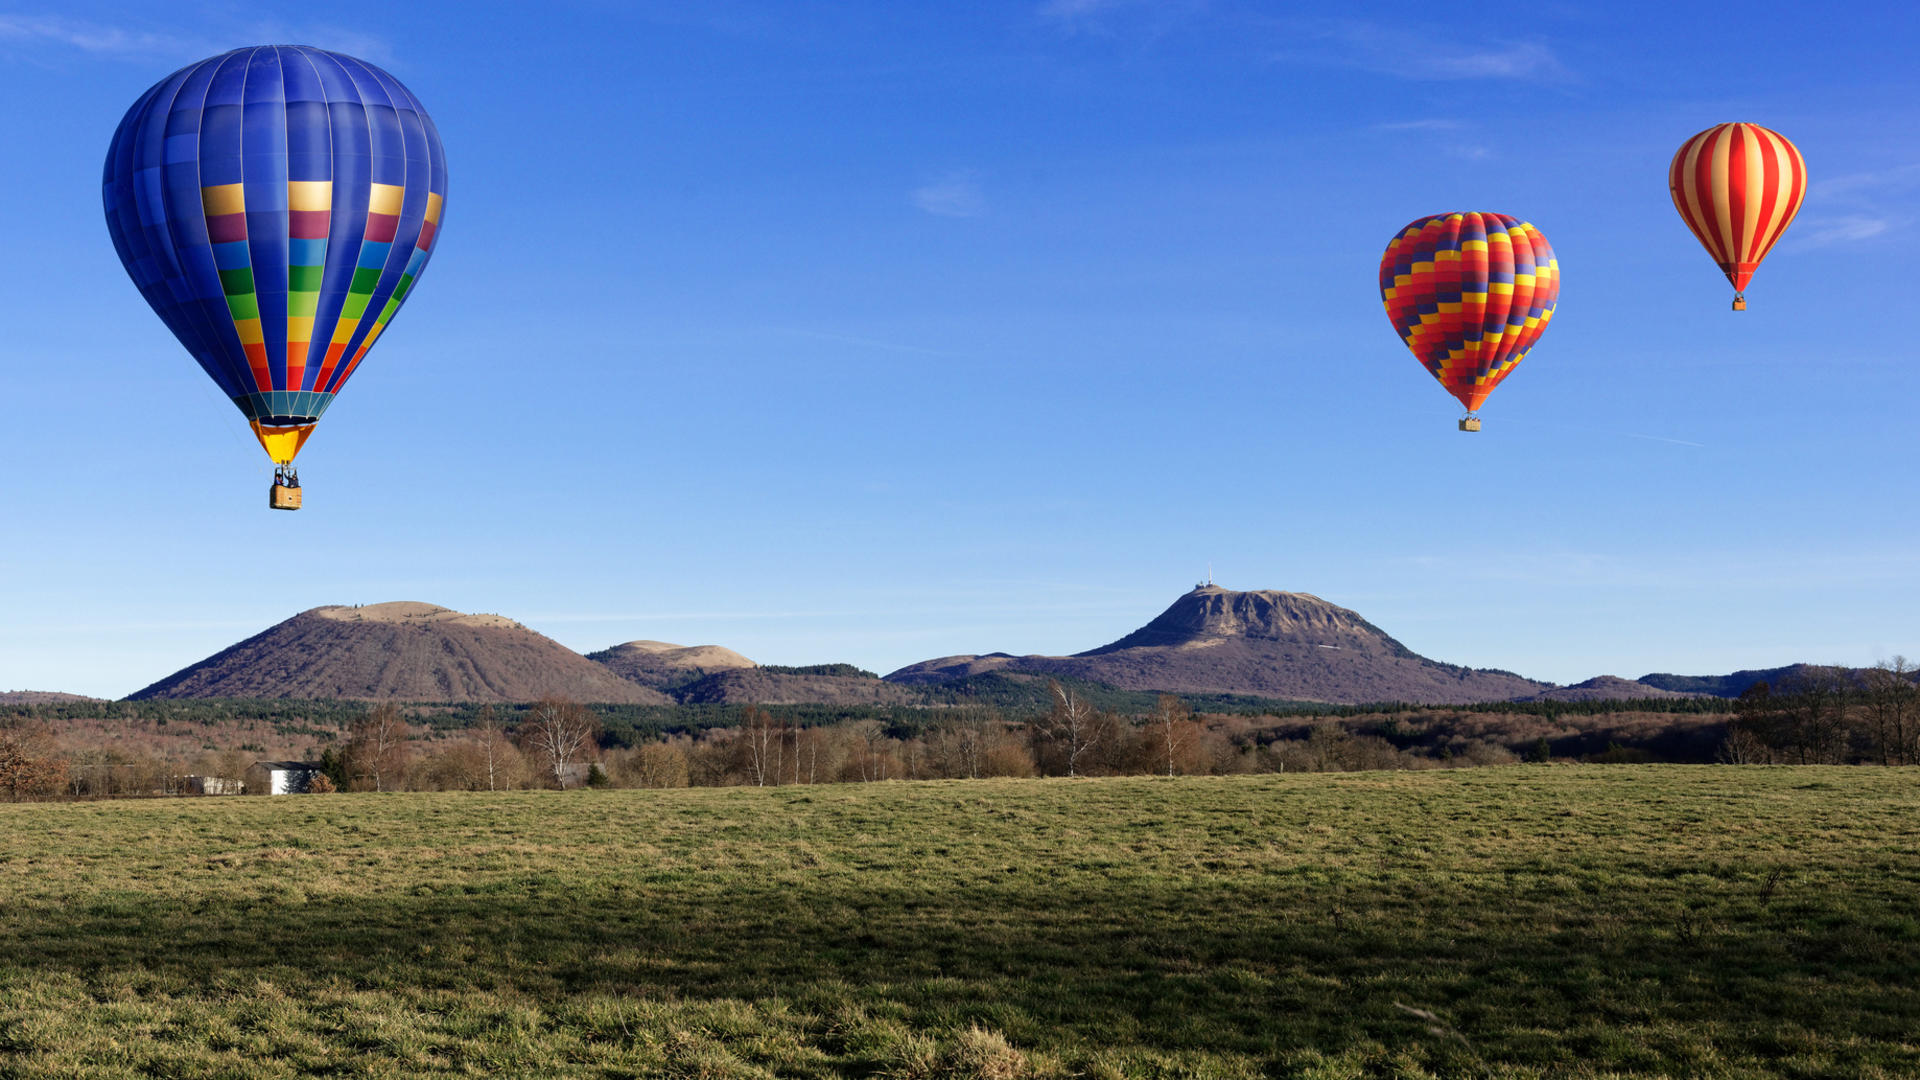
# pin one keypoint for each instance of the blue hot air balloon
(275, 206)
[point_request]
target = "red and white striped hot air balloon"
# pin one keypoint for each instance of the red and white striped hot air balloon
(1738, 186)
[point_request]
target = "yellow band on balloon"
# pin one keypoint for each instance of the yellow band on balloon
(282, 444)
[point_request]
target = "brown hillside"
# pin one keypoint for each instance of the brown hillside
(41, 697)
(756, 686)
(1267, 643)
(661, 664)
(400, 652)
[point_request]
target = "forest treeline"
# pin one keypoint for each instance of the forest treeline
(1818, 715)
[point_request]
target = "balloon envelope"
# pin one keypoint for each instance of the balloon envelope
(276, 206)
(1469, 293)
(1738, 187)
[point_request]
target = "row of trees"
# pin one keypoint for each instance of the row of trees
(557, 746)
(1829, 715)
(1817, 715)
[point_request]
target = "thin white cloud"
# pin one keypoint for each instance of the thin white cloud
(1075, 9)
(1859, 186)
(42, 33)
(954, 195)
(89, 37)
(1521, 60)
(1420, 125)
(1857, 207)
(1844, 229)
(1410, 54)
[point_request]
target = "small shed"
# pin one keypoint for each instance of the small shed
(281, 777)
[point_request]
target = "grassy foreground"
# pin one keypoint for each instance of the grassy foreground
(1522, 921)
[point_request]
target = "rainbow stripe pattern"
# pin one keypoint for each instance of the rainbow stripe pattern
(1738, 187)
(265, 200)
(1470, 294)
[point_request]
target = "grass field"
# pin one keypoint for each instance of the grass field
(1522, 921)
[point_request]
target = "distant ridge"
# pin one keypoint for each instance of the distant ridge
(41, 697)
(1732, 685)
(1608, 688)
(1266, 643)
(403, 651)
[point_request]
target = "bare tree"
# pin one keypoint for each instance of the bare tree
(872, 759)
(500, 759)
(376, 747)
(657, 765)
(558, 733)
(1892, 704)
(1754, 731)
(29, 765)
(960, 742)
(1173, 728)
(808, 746)
(453, 765)
(1072, 726)
(1816, 700)
(761, 741)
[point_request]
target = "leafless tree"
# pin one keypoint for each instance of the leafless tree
(809, 744)
(1892, 705)
(1072, 726)
(960, 742)
(376, 747)
(452, 765)
(29, 765)
(657, 765)
(1173, 728)
(1756, 730)
(558, 733)
(500, 759)
(761, 741)
(871, 758)
(1742, 747)
(1815, 709)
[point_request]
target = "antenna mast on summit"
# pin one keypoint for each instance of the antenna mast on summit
(1209, 573)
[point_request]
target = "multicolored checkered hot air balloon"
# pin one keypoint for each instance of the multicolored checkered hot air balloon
(1469, 293)
(276, 206)
(1738, 186)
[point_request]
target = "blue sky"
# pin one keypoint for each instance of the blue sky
(874, 332)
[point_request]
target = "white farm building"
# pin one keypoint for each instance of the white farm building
(281, 777)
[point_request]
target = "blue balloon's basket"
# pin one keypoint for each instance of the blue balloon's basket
(285, 492)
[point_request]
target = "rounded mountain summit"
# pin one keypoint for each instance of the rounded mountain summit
(1266, 643)
(402, 651)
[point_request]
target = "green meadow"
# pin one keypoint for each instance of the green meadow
(1526, 921)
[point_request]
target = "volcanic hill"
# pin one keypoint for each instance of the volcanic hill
(1266, 643)
(661, 664)
(712, 675)
(401, 651)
